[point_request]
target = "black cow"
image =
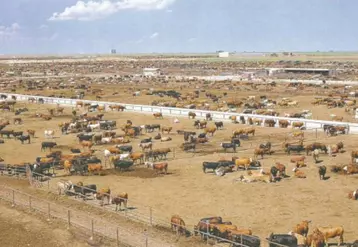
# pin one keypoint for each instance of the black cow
(6, 133)
(266, 145)
(122, 164)
(203, 226)
(126, 148)
(45, 145)
(228, 145)
(189, 146)
(246, 240)
(236, 141)
(83, 137)
(219, 125)
(322, 172)
(242, 120)
(75, 150)
(202, 135)
(146, 140)
(215, 165)
(24, 138)
(137, 130)
(294, 148)
(82, 191)
(282, 239)
(17, 133)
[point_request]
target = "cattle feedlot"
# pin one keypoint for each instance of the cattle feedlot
(181, 159)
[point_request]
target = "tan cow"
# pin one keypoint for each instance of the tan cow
(302, 228)
(332, 232)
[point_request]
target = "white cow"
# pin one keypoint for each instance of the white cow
(49, 133)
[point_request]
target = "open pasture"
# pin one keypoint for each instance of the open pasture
(189, 192)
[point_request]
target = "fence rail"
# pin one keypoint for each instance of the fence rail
(76, 219)
(171, 111)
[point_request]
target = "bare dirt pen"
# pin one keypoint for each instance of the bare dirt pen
(19, 227)
(239, 91)
(189, 192)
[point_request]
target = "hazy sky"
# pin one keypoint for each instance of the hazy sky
(130, 26)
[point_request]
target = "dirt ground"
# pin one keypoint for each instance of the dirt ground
(192, 194)
(20, 228)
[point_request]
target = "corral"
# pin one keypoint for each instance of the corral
(186, 190)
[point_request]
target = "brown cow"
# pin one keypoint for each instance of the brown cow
(160, 167)
(281, 168)
(297, 124)
(210, 130)
(103, 193)
(250, 131)
(177, 224)
(191, 115)
(299, 173)
(353, 195)
(101, 108)
(119, 199)
(296, 159)
(137, 156)
(87, 144)
(316, 239)
(243, 162)
(17, 120)
(351, 169)
(94, 168)
(283, 123)
(158, 115)
(354, 154)
(259, 151)
(166, 129)
(238, 231)
(67, 166)
(332, 232)
(302, 228)
(31, 133)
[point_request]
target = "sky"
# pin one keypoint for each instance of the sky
(172, 26)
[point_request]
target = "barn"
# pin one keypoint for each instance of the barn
(151, 72)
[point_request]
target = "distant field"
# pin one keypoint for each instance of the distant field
(208, 57)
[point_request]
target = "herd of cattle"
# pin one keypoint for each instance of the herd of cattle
(227, 231)
(91, 130)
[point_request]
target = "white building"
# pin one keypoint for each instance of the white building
(151, 72)
(224, 54)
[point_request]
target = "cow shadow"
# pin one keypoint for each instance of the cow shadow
(126, 209)
(319, 161)
(326, 177)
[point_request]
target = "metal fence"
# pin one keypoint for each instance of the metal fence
(171, 111)
(76, 219)
(137, 213)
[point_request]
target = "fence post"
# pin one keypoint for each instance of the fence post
(316, 133)
(30, 202)
(48, 212)
(151, 216)
(92, 230)
(146, 238)
(13, 198)
(69, 218)
(207, 232)
(117, 231)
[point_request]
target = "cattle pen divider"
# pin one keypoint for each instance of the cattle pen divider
(183, 112)
(75, 219)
